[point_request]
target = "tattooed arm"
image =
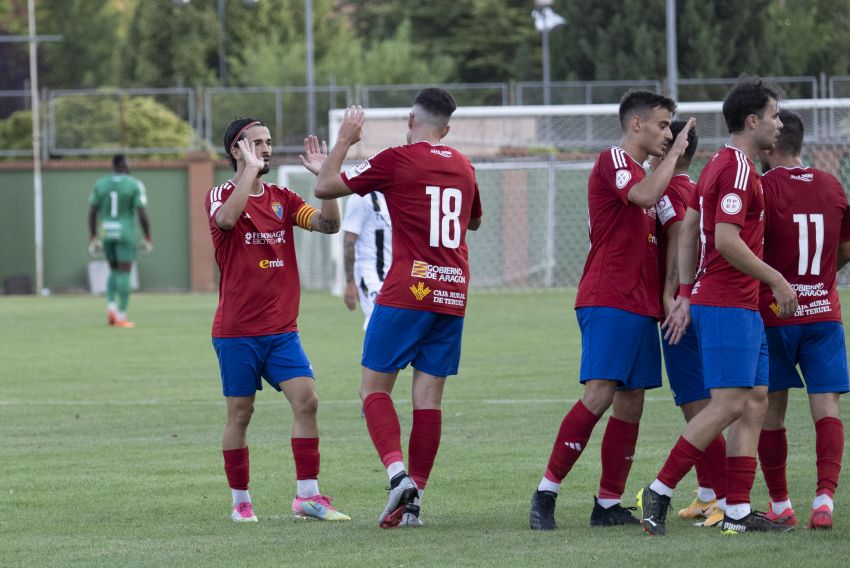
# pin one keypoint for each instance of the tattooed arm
(350, 296)
(326, 219)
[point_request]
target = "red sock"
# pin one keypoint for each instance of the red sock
(618, 452)
(382, 422)
(773, 455)
(682, 458)
(237, 468)
(829, 446)
(713, 464)
(572, 438)
(423, 445)
(306, 454)
(740, 474)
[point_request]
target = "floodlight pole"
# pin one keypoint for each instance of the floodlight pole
(36, 154)
(311, 78)
(222, 52)
(672, 62)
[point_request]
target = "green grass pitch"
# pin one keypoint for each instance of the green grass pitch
(110, 449)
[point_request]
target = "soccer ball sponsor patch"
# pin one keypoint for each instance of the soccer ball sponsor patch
(731, 204)
(623, 177)
(357, 170)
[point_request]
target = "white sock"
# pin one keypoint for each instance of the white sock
(706, 494)
(822, 500)
(546, 485)
(394, 469)
(738, 511)
(307, 488)
(661, 489)
(121, 315)
(240, 496)
(780, 506)
(607, 503)
(721, 504)
(111, 306)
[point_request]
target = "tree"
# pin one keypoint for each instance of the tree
(168, 45)
(89, 30)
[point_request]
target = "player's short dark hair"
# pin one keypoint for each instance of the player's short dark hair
(750, 95)
(676, 127)
(234, 132)
(635, 101)
(436, 101)
(119, 163)
(791, 134)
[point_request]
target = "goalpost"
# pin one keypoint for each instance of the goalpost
(532, 165)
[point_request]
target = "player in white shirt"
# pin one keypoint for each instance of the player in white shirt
(368, 250)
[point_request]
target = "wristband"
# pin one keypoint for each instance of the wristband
(685, 290)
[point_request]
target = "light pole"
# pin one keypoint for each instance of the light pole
(311, 76)
(672, 62)
(36, 140)
(546, 20)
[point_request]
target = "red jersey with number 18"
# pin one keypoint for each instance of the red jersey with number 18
(806, 217)
(728, 191)
(621, 270)
(431, 195)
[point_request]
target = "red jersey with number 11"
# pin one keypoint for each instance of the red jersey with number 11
(431, 195)
(806, 217)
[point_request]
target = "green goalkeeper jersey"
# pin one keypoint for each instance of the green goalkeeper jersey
(117, 197)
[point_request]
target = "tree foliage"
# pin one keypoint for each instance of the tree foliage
(163, 43)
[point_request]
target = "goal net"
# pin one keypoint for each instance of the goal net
(532, 165)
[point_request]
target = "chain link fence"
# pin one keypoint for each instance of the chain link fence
(579, 92)
(284, 109)
(179, 120)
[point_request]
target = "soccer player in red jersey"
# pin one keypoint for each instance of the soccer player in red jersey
(682, 361)
(432, 198)
(618, 307)
(254, 332)
(807, 239)
(725, 313)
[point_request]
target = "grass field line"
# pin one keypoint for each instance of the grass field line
(158, 402)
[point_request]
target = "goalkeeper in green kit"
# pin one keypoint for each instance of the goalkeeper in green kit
(116, 198)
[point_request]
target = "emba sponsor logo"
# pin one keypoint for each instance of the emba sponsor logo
(442, 153)
(804, 177)
(273, 263)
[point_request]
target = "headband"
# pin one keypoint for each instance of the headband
(243, 129)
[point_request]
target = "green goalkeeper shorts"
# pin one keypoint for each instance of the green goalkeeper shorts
(118, 252)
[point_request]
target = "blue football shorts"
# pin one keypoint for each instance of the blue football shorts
(733, 346)
(818, 348)
(244, 360)
(684, 369)
(397, 337)
(617, 345)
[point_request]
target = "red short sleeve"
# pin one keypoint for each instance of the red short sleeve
(371, 175)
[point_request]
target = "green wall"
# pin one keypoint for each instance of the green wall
(66, 228)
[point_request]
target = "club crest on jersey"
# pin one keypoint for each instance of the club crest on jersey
(623, 177)
(420, 291)
(278, 209)
(731, 204)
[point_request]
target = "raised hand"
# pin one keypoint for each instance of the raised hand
(249, 154)
(680, 144)
(351, 127)
(314, 154)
